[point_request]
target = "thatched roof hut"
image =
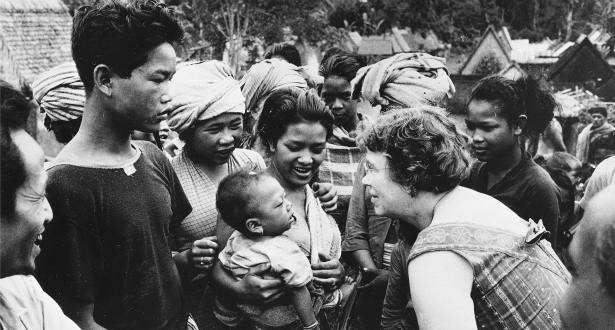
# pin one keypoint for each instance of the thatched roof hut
(34, 37)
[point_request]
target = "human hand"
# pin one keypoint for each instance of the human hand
(327, 194)
(328, 273)
(374, 279)
(254, 288)
(203, 253)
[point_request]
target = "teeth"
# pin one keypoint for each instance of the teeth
(39, 237)
(302, 170)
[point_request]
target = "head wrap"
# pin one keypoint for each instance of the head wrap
(404, 79)
(60, 92)
(266, 77)
(201, 91)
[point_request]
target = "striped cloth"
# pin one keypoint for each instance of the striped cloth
(342, 156)
(403, 80)
(60, 92)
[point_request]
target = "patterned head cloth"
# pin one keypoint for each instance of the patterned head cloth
(404, 79)
(266, 77)
(60, 92)
(201, 91)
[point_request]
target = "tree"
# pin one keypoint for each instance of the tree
(238, 23)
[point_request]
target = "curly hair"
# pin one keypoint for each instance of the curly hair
(289, 106)
(14, 115)
(424, 148)
(120, 36)
(524, 96)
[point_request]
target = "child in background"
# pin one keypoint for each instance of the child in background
(255, 205)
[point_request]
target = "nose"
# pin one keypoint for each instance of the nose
(226, 138)
(289, 205)
(366, 180)
(166, 98)
(337, 104)
(476, 135)
(48, 213)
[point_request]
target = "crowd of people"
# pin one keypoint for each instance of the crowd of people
(283, 206)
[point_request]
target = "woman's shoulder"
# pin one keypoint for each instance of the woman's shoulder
(469, 207)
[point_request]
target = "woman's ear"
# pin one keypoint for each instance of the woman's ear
(519, 124)
(102, 79)
(254, 226)
(271, 147)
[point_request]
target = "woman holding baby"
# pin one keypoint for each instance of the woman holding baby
(207, 114)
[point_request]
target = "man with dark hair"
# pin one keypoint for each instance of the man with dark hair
(586, 150)
(589, 301)
(286, 52)
(107, 256)
(25, 211)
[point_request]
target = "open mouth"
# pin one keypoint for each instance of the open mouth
(38, 239)
(225, 152)
(302, 170)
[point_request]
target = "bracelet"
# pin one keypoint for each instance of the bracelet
(311, 327)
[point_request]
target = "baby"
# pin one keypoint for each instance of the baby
(255, 205)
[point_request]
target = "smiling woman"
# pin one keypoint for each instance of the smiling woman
(293, 128)
(207, 110)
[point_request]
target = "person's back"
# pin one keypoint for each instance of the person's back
(108, 258)
(517, 281)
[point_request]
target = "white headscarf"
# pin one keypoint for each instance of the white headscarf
(201, 91)
(404, 79)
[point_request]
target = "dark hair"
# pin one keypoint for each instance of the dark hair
(341, 64)
(64, 131)
(523, 96)
(286, 51)
(600, 110)
(561, 161)
(120, 36)
(234, 198)
(289, 106)
(14, 115)
(424, 148)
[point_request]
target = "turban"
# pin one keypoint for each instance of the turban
(201, 91)
(404, 79)
(266, 77)
(60, 92)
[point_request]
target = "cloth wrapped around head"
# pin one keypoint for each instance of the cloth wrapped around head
(266, 77)
(404, 79)
(60, 92)
(201, 91)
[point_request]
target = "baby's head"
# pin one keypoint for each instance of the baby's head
(254, 204)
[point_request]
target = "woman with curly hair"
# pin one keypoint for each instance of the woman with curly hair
(474, 260)
(501, 112)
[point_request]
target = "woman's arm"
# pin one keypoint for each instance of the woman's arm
(251, 288)
(328, 272)
(440, 285)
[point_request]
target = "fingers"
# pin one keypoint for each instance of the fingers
(207, 243)
(260, 269)
(324, 257)
(203, 262)
(324, 282)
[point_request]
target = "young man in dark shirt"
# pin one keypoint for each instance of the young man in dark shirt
(107, 256)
